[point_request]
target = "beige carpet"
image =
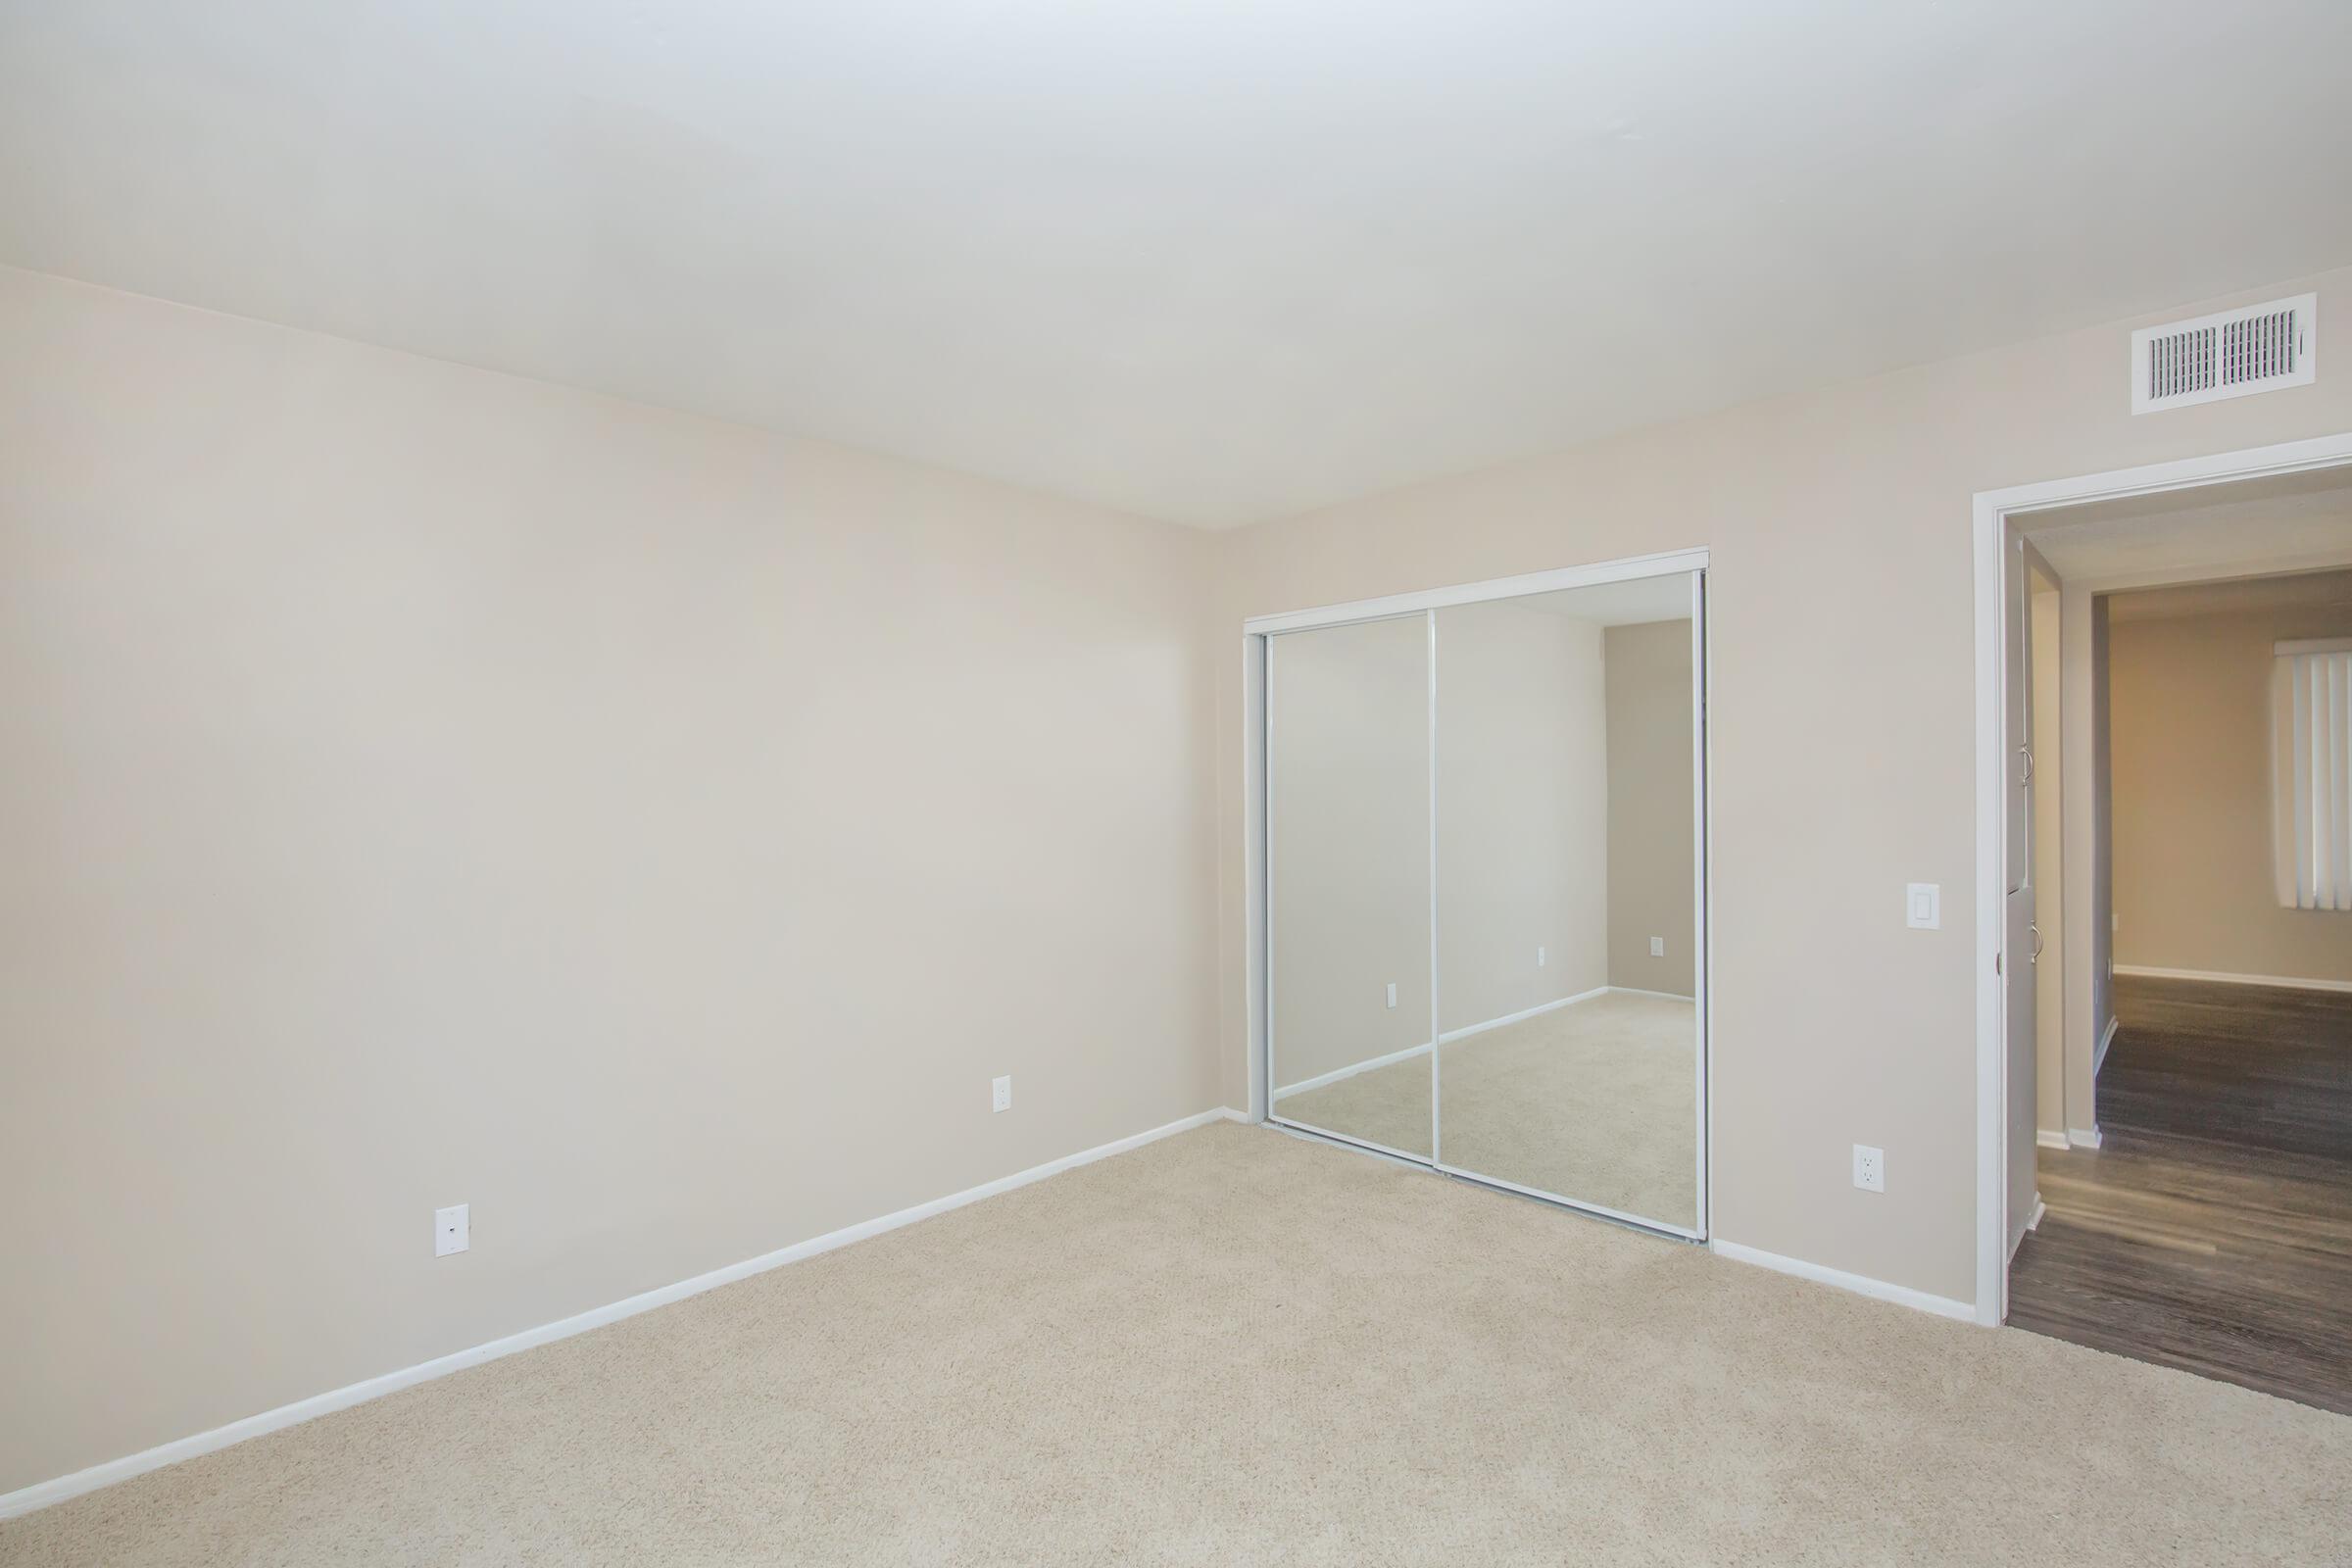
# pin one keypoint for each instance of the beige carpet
(1236, 1346)
(1596, 1102)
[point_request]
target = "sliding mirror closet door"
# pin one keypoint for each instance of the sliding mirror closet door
(1569, 927)
(1348, 812)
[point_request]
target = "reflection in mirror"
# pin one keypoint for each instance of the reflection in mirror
(1569, 1044)
(1348, 879)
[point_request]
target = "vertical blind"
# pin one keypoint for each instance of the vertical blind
(2311, 726)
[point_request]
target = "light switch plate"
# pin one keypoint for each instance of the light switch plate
(1923, 905)
(1657, 947)
(1002, 1091)
(452, 1229)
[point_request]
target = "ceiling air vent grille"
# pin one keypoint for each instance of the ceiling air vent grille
(2258, 349)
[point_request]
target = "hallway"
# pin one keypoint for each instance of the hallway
(2212, 1231)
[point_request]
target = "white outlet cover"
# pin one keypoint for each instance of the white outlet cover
(1391, 993)
(1870, 1169)
(1002, 1090)
(1539, 958)
(452, 1229)
(1657, 947)
(1923, 905)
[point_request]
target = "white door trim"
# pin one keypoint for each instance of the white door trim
(1993, 509)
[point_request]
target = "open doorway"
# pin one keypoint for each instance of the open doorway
(2174, 934)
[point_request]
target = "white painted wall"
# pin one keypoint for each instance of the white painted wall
(1523, 810)
(1522, 826)
(1653, 850)
(426, 786)
(1349, 834)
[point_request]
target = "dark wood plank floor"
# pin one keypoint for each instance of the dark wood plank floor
(2213, 1229)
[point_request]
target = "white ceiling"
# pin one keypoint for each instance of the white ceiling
(2291, 522)
(2320, 591)
(1209, 260)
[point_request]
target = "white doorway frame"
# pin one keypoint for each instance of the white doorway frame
(1992, 511)
(1258, 851)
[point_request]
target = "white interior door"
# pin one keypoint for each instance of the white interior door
(2019, 970)
(2017, 619)
(2021, 935)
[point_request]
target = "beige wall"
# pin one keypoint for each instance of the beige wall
(2189, 727)
(1522, 802)
(1351, 836)
(1652, 854)
(1843, 720)
(423, 786)
(1522, 828)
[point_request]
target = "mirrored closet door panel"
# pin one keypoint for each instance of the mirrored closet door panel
(1348, 788)
(1567, 890)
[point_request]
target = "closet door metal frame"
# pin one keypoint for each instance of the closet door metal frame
(1263, 634)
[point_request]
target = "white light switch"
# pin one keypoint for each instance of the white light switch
(1003, 1088)
(1923, 904)
(452, 1229)
(1391, 993)
(1539, 958)
(1657, 947)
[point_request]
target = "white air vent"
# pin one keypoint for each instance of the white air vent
(2259, 349)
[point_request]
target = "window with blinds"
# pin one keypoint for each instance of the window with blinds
(2311, 726)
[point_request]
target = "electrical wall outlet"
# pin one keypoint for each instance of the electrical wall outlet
(1002, 1089)
(1657, 947)
(1391, 993)
(1870, 1169)
(452, 1229)
(1539, 958)
(1923, 905)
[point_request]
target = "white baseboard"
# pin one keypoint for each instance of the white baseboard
(2287, 982)
(1520, 1016)
(2039, 1208)
(2083, 1138)
(1450, 1036)
(2099, 1054)
(1859, 1283)
(1350, 1070)
(1636, 991)
(42, 1493)
(2051, 1138)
